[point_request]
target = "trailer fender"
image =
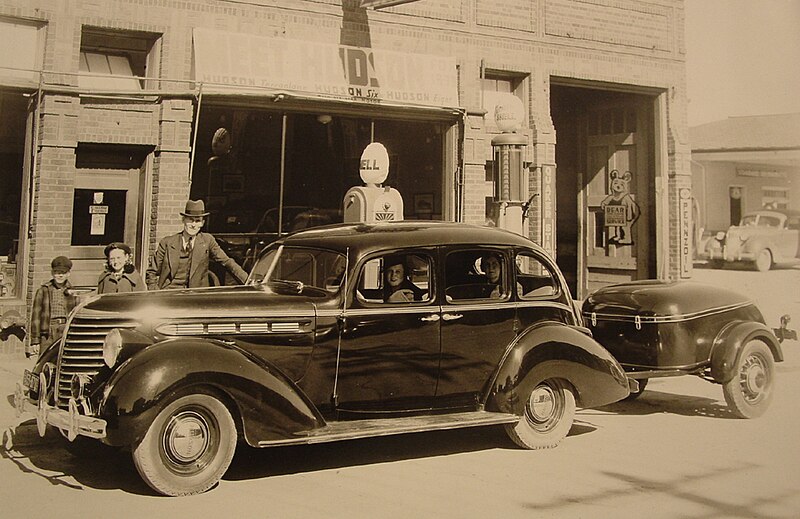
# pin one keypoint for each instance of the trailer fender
(729, 343)
(264, 402)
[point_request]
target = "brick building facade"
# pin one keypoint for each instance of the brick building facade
(111, 108)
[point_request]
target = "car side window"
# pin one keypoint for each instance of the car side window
(534, 279)
(476, 274)
(402, 278)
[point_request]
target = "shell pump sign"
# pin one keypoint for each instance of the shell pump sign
(373, 202)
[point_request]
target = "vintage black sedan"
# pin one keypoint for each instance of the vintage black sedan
(341, 332)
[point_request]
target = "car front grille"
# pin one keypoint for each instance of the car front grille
(82, 350)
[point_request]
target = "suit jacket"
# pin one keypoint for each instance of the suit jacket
(165, 261)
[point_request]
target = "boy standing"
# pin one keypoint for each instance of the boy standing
(51, 306)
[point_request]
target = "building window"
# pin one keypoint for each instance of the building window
(116, 60)
(774, 197)
(25, 59)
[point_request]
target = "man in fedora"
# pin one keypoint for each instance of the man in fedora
(182, 259)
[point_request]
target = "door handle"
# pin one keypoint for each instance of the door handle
(430, 319)
(451, 317)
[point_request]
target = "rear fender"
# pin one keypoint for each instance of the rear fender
(728, 345)
(553, 350)
(267, 405)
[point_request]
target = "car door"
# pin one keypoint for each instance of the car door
(478, 323)
(389, 353)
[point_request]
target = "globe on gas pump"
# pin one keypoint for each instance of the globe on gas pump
(373, 202)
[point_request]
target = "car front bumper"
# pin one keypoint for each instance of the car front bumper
(726, 254)
(71, 421)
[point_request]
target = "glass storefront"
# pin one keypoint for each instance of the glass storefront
(251, 162)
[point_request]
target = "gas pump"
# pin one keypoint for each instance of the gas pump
(510, 173)
(373, 202)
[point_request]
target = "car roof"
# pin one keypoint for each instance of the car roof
(789, 213)
(368, 237)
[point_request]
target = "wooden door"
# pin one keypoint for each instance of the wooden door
(616, 194)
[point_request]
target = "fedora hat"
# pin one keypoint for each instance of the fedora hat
(195, 208)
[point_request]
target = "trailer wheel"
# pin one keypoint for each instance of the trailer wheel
(750, 391)
(188, 447)
(547, 417)
(634, 395)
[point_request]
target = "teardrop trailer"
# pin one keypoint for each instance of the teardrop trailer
(674, 328)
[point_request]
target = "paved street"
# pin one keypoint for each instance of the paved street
(675, 452)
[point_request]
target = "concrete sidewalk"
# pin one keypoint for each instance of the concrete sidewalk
(15, 364)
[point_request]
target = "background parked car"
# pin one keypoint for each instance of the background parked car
(763, 239)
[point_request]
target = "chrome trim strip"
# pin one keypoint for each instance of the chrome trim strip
(546, 304)
(393, 310)
(666, 318)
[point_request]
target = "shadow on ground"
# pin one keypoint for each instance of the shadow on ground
(113, 469)
(652, 402)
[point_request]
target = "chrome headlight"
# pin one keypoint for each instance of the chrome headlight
(112, 345)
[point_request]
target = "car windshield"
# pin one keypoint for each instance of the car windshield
(762, 220)
(319, 268)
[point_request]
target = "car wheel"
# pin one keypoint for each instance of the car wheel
(547, 417)
(634, 395)
(764, 261)
(750, 391)
(188, 447)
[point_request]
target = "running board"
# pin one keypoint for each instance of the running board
(354, 429)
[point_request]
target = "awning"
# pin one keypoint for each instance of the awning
(227, 63)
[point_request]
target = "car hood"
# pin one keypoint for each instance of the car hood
(748, 231)
(209, 303)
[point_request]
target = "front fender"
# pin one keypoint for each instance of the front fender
(266, 403)
(729, 343)
(554, 350)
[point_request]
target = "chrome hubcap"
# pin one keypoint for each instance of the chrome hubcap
(542, 403)
(753, 377)
(187, 437)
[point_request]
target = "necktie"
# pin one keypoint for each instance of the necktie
(189, 245)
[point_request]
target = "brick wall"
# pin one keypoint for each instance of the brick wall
(595, 41)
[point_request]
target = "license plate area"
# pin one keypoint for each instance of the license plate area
(30, 381)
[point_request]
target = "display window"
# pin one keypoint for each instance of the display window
(14, 113)
(259, 170)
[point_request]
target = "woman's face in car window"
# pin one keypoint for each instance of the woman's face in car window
(492, 268)
(395, 275)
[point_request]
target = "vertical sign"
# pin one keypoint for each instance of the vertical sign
(685, 212)
(548, 212)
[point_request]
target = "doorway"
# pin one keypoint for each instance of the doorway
(604, 185)
(107, 206)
